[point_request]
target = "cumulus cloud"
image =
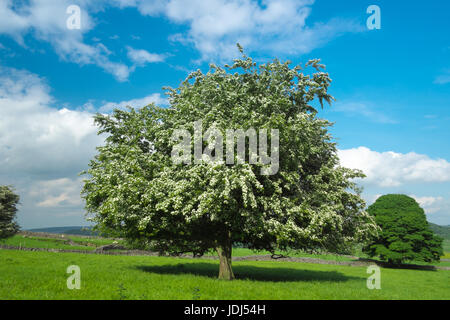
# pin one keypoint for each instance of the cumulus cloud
(38, 139)
(430, 204)
(214, 28)
(62, 192)
(43, 149)
(135, 103)
(35, 138)
(141, 57)
(271, 25)
(389, 169)
(47, 21)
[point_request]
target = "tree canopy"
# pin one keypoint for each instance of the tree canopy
(8, 210)
(405, 234)
(308, 202)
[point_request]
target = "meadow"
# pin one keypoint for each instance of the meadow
(446, 246)
(63, 242)
(43, 275)
(84, 243)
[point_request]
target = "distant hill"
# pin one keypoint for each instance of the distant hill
(442, 231)
(75, 230)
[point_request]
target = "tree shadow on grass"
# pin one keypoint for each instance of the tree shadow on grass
(410, 266)
(249, 272)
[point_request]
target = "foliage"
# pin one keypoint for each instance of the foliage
(405, 235)
(134, 187)
(8, 210)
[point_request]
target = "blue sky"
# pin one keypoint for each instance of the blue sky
(392, 84)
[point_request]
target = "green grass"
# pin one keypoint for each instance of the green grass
(97, 241)
(37, 242)
(240, 252)
(57, 242)
(42, 275)
(446, 246)
(91, 243)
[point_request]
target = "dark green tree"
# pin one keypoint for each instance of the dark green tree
(405, 234)
(8, 210)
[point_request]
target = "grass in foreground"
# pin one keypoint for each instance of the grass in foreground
(42, 275)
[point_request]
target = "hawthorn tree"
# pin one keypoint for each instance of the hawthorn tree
(8, 210)
(405, 234)
(310, 202)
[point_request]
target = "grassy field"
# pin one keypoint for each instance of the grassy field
(42, 275)
(446, 246)
(57, 242)
(52, 241)
(91, 243)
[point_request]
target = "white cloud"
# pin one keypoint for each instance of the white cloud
(38, 139)
(279, 26)
(11, 22)
(141, 57)
(145, 7)
(47, 21)
(428, 203)
(214, 28)
(135, 103)
(43, 149)
(389, 169)
(374, 198)
(271, 25)
(76, 51)
(62, 192)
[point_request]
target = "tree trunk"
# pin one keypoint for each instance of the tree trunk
(224, 252)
